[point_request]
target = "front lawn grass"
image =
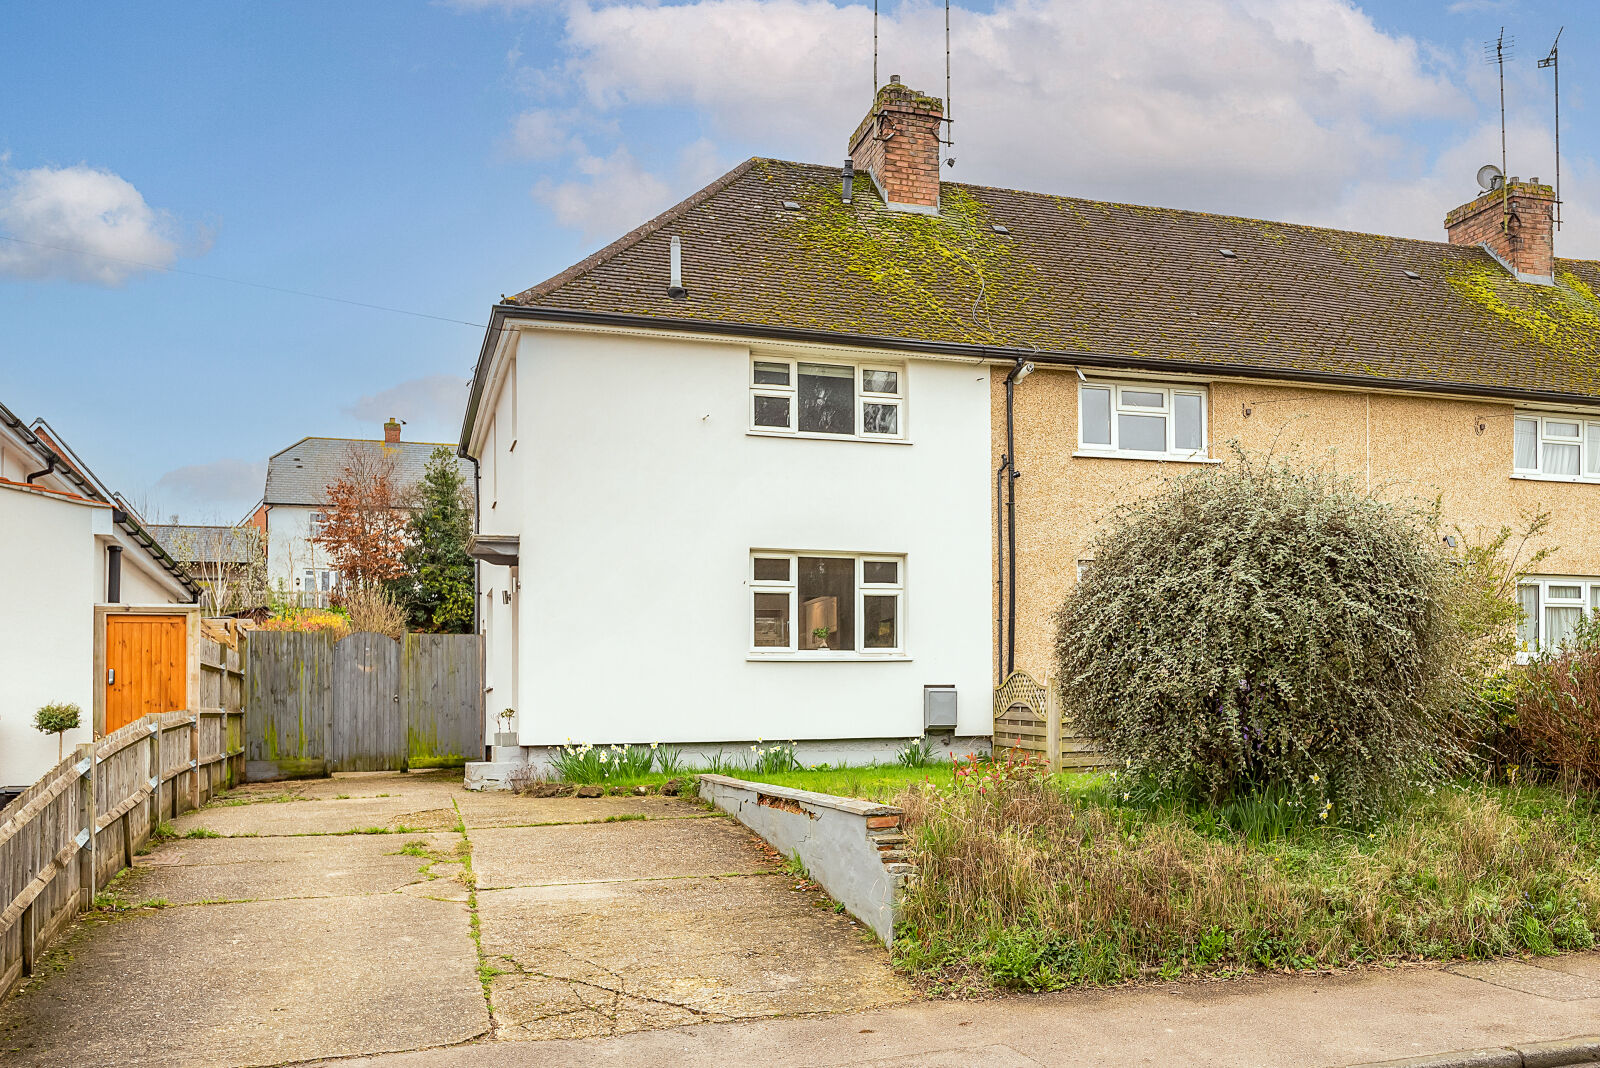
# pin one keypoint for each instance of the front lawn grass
(1040, 885)
(875, 782)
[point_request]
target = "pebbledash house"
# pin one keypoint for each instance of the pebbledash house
(815, 454)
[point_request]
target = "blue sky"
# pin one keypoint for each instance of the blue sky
(430, 157)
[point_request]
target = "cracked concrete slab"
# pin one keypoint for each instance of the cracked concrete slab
(211, 869)
(607, 958)
(510, 810)
(214, 986)
(633, 849)
(1544, 982)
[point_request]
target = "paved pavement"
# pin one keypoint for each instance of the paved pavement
(398, 921)
(368, 914)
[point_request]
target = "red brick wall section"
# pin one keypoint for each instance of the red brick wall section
(899, 143)
(1527, 241)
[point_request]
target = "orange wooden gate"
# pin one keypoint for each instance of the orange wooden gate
(147, 667)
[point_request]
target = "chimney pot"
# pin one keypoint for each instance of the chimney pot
(391, 431)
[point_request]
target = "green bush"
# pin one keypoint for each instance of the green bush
(1260, 625)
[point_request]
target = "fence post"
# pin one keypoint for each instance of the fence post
(88, 870)
(1052, 716)
(153, 765)
(194, 760)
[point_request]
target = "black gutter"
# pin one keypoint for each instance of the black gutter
(49, 467)
(998, 353)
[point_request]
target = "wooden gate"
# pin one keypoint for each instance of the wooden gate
(147, 667)
(369, 726)
(364, 703)
(1028, 722)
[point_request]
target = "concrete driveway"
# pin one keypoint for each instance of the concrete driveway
(381, 913)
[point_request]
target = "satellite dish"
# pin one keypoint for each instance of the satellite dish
(1489, 177)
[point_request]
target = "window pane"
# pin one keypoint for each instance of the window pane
(1592, 467)
(772, 411)
(827, 399)
(879, 625)
(827, 603)
(880, 418)
(1560, 459)
(880, 381)
(1557, 429)
(1559, 623)
(772, 374)
(1528, 625)
(1140, 398)
(1594, 596)
(1094, 410)
(772, 620)
(769, 569)
(1566, 593)
(880, 571)
(1142, 433)
(1527, 445)
(1186, 422)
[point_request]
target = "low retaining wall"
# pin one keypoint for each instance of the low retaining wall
(855, 849)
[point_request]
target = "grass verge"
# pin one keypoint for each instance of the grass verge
(1041, 884)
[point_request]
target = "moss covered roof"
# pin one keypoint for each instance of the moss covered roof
(1148, 284)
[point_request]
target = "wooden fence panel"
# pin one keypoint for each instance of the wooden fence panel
(369, 727)
(288, 690)
(1028, 722)
(68, 834)
(364, 703)
(441, 691)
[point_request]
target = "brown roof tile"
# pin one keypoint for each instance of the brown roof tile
(1119, 280)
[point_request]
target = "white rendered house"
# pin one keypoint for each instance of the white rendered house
(71, 552)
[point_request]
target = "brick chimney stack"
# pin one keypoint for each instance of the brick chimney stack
(391, 431)
(898, 144)
(1514, 225)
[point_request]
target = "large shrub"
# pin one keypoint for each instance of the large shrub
(1557, 719)
(1264, 625)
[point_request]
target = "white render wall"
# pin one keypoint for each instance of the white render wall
(51, 575)
(290, 549)
(643, 495)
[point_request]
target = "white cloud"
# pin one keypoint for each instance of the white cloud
(218, 491)
(1297, 109)
(542, 134)
(431, 407)
(81, 224)
(612, 195)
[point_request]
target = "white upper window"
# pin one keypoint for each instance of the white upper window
(827, 398)
(1139, 419)
(1565, 447)
(826, 605)
(1552, 608)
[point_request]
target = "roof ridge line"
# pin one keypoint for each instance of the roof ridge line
(637, 234)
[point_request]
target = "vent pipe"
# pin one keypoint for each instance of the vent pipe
(114, 574)
(849, 177)
(675, 289)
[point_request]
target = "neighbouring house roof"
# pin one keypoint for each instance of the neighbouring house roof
(1007, 273)
(195, 544)
(302, 473)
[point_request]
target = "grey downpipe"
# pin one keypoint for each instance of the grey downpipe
(114, 574)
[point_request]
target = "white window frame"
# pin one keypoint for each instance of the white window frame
(1169, 391)
(1588, 453)
(863, 397)
(1588, 600)
(317, 523)
(861, 590)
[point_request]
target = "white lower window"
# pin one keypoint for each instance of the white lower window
(1552, 609)
(1143, 420)
(1556, 446)
(826, 604)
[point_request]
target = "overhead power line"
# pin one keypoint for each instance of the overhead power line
(238, 282)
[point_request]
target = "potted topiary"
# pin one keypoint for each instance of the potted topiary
(57, 720)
